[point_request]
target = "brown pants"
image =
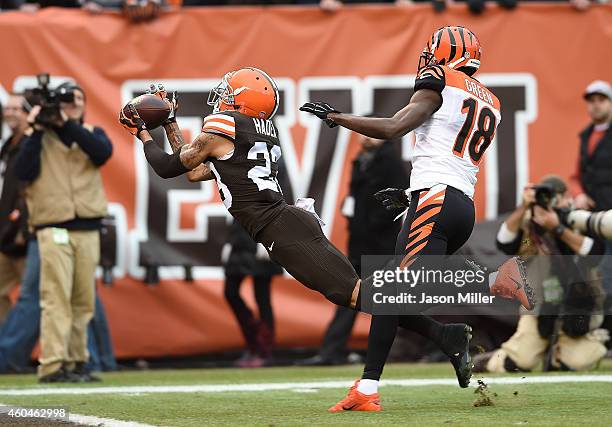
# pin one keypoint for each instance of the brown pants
(11, 270)
(67, 295)
(295, 240)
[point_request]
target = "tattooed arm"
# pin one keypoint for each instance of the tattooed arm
(175, 136)
(204, 146)
(201, 173)
(187, 157)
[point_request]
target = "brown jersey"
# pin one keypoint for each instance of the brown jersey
(246, 177)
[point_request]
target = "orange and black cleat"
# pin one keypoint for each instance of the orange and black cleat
(357, 401)
(511, 283)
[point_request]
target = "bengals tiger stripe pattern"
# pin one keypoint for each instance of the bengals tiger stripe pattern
(432, 71)
(455, 47)
(428, 208)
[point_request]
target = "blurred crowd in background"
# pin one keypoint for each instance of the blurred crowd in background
(146, 10)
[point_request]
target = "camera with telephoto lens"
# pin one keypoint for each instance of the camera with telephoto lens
(597, 224)
(48, 99)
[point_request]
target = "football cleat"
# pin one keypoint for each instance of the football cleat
(357, 401)
(511, 283)
(456, 345)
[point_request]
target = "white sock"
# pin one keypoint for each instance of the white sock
(367, 386)
(492, 278)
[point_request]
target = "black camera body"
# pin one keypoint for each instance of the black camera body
(545, 198)
(48, 99)
(544, 195)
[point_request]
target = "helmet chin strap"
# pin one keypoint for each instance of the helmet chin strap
(454, 63)
(473, 63)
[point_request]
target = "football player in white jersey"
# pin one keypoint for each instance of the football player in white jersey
(454, 118)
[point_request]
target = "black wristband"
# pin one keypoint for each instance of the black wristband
(558, 230)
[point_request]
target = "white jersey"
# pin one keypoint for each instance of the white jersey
(450, 145)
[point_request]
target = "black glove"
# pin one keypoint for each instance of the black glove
(132, 121)
(393, 198)
(321, 110)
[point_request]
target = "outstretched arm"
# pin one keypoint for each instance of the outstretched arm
(175, 137)
(422, 105)
(189, 156)
(204, 146)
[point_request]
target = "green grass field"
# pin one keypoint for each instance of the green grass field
(535, 404)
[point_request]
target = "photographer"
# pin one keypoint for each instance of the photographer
(562, 265)
(60, 159)
(591, 183)
(13, 218)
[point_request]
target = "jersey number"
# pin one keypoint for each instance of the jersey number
(481, 137)
(264, 175)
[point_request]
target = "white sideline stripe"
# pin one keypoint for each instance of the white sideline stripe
(91, 420)
(219, 388)
(104, 422)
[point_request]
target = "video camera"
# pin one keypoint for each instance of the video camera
(48, 99)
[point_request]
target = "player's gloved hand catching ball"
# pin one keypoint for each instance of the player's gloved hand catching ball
(321, 110)
(159, 90)
(393, 198)
(130, 119)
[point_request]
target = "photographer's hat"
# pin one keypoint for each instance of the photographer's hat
(70, 85)
(600, 87)
(555, 182)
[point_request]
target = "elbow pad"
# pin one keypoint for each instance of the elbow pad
(165, 165)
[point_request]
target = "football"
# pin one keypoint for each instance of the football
(152, 109)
